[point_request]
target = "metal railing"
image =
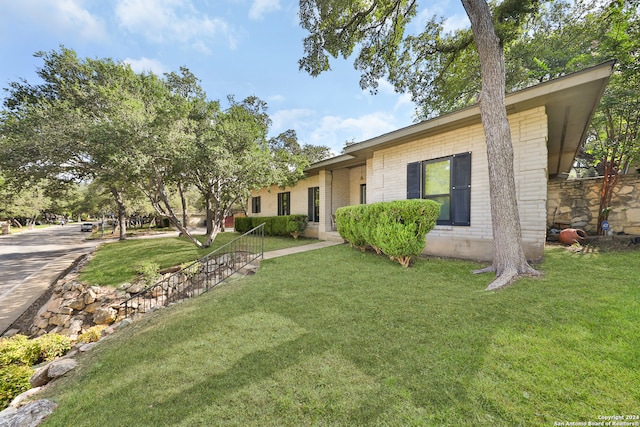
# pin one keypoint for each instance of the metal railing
(199, 276)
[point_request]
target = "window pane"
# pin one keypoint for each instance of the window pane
(437, 178)
(445, 209)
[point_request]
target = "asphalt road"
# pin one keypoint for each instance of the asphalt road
(30, 259)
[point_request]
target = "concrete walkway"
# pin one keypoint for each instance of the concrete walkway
(298, 249)
(16, 302)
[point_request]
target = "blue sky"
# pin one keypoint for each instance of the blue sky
(236, 47)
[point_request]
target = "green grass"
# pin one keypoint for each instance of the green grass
(115, 262)
(339, 337)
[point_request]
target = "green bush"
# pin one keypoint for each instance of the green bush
(348, 224)
(18, 353)
(284, 225)
(92, 334)
(19, 350)
(52, 346)
(370, 216)
(149, 271)
(396, 228)
(14, 380)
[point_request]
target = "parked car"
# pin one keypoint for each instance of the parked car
(86, 226)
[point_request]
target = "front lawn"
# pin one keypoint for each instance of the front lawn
(115, 262)
(340, 337)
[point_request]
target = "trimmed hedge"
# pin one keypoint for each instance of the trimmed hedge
(397, 229)
(284, 225)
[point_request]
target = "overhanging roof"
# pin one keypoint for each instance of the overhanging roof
(570, 102)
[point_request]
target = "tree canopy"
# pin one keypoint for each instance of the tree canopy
(139, 133)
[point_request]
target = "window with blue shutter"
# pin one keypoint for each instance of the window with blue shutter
(446, 180)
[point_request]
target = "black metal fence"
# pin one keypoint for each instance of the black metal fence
(198, 277)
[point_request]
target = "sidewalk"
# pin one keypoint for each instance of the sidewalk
(20, 299)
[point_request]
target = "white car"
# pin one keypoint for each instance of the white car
(86, 226)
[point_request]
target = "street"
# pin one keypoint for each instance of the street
(30, 261)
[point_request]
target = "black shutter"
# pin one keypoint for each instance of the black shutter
(414, 180)
(461, 189)
(311, 204)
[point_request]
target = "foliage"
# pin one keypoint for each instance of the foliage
(349, 220)
(18, 354)
(149, 271)
(93, 334)
(53, 346)
(135, 135)
(14, 380)
(19, 350)
(397, 228)
(283, 225)
(371, 344)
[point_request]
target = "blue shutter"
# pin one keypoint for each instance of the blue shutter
(414, 180)
(461, 189)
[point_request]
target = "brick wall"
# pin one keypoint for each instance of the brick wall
(529, 134)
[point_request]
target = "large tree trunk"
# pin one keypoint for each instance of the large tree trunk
(509, 261)
(183, 201)
(169, 213)
(122, 213)
(213, 207)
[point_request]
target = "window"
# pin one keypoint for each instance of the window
(284, 200)
(314, 204)
(447, 181)
(255, 204)
(363, 194)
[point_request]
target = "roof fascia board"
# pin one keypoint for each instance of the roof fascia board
(597, 72)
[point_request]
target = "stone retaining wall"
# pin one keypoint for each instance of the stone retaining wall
(575, 203)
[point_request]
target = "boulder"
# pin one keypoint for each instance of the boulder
(59, 367)
(104, 316)
(77, 303)
(51, 371)
(29, 415)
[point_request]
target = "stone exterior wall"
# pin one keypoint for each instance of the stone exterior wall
(575, 203)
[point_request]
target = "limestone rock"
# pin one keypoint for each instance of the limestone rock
(59, 319)
(51, 371)
(23, 396)
(29, 415)
(104, 316)
(86, 347)
(76, 303)
(59, 367)
(40, 377)
(89, 297)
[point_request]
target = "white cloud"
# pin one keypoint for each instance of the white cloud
(276, 98)
(145, 64)
(261, 7)
(172, 20)
(334, 131)
(62, 17)
(295, 118)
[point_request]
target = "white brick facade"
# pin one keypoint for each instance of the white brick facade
(385, 176)
(548, 123)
